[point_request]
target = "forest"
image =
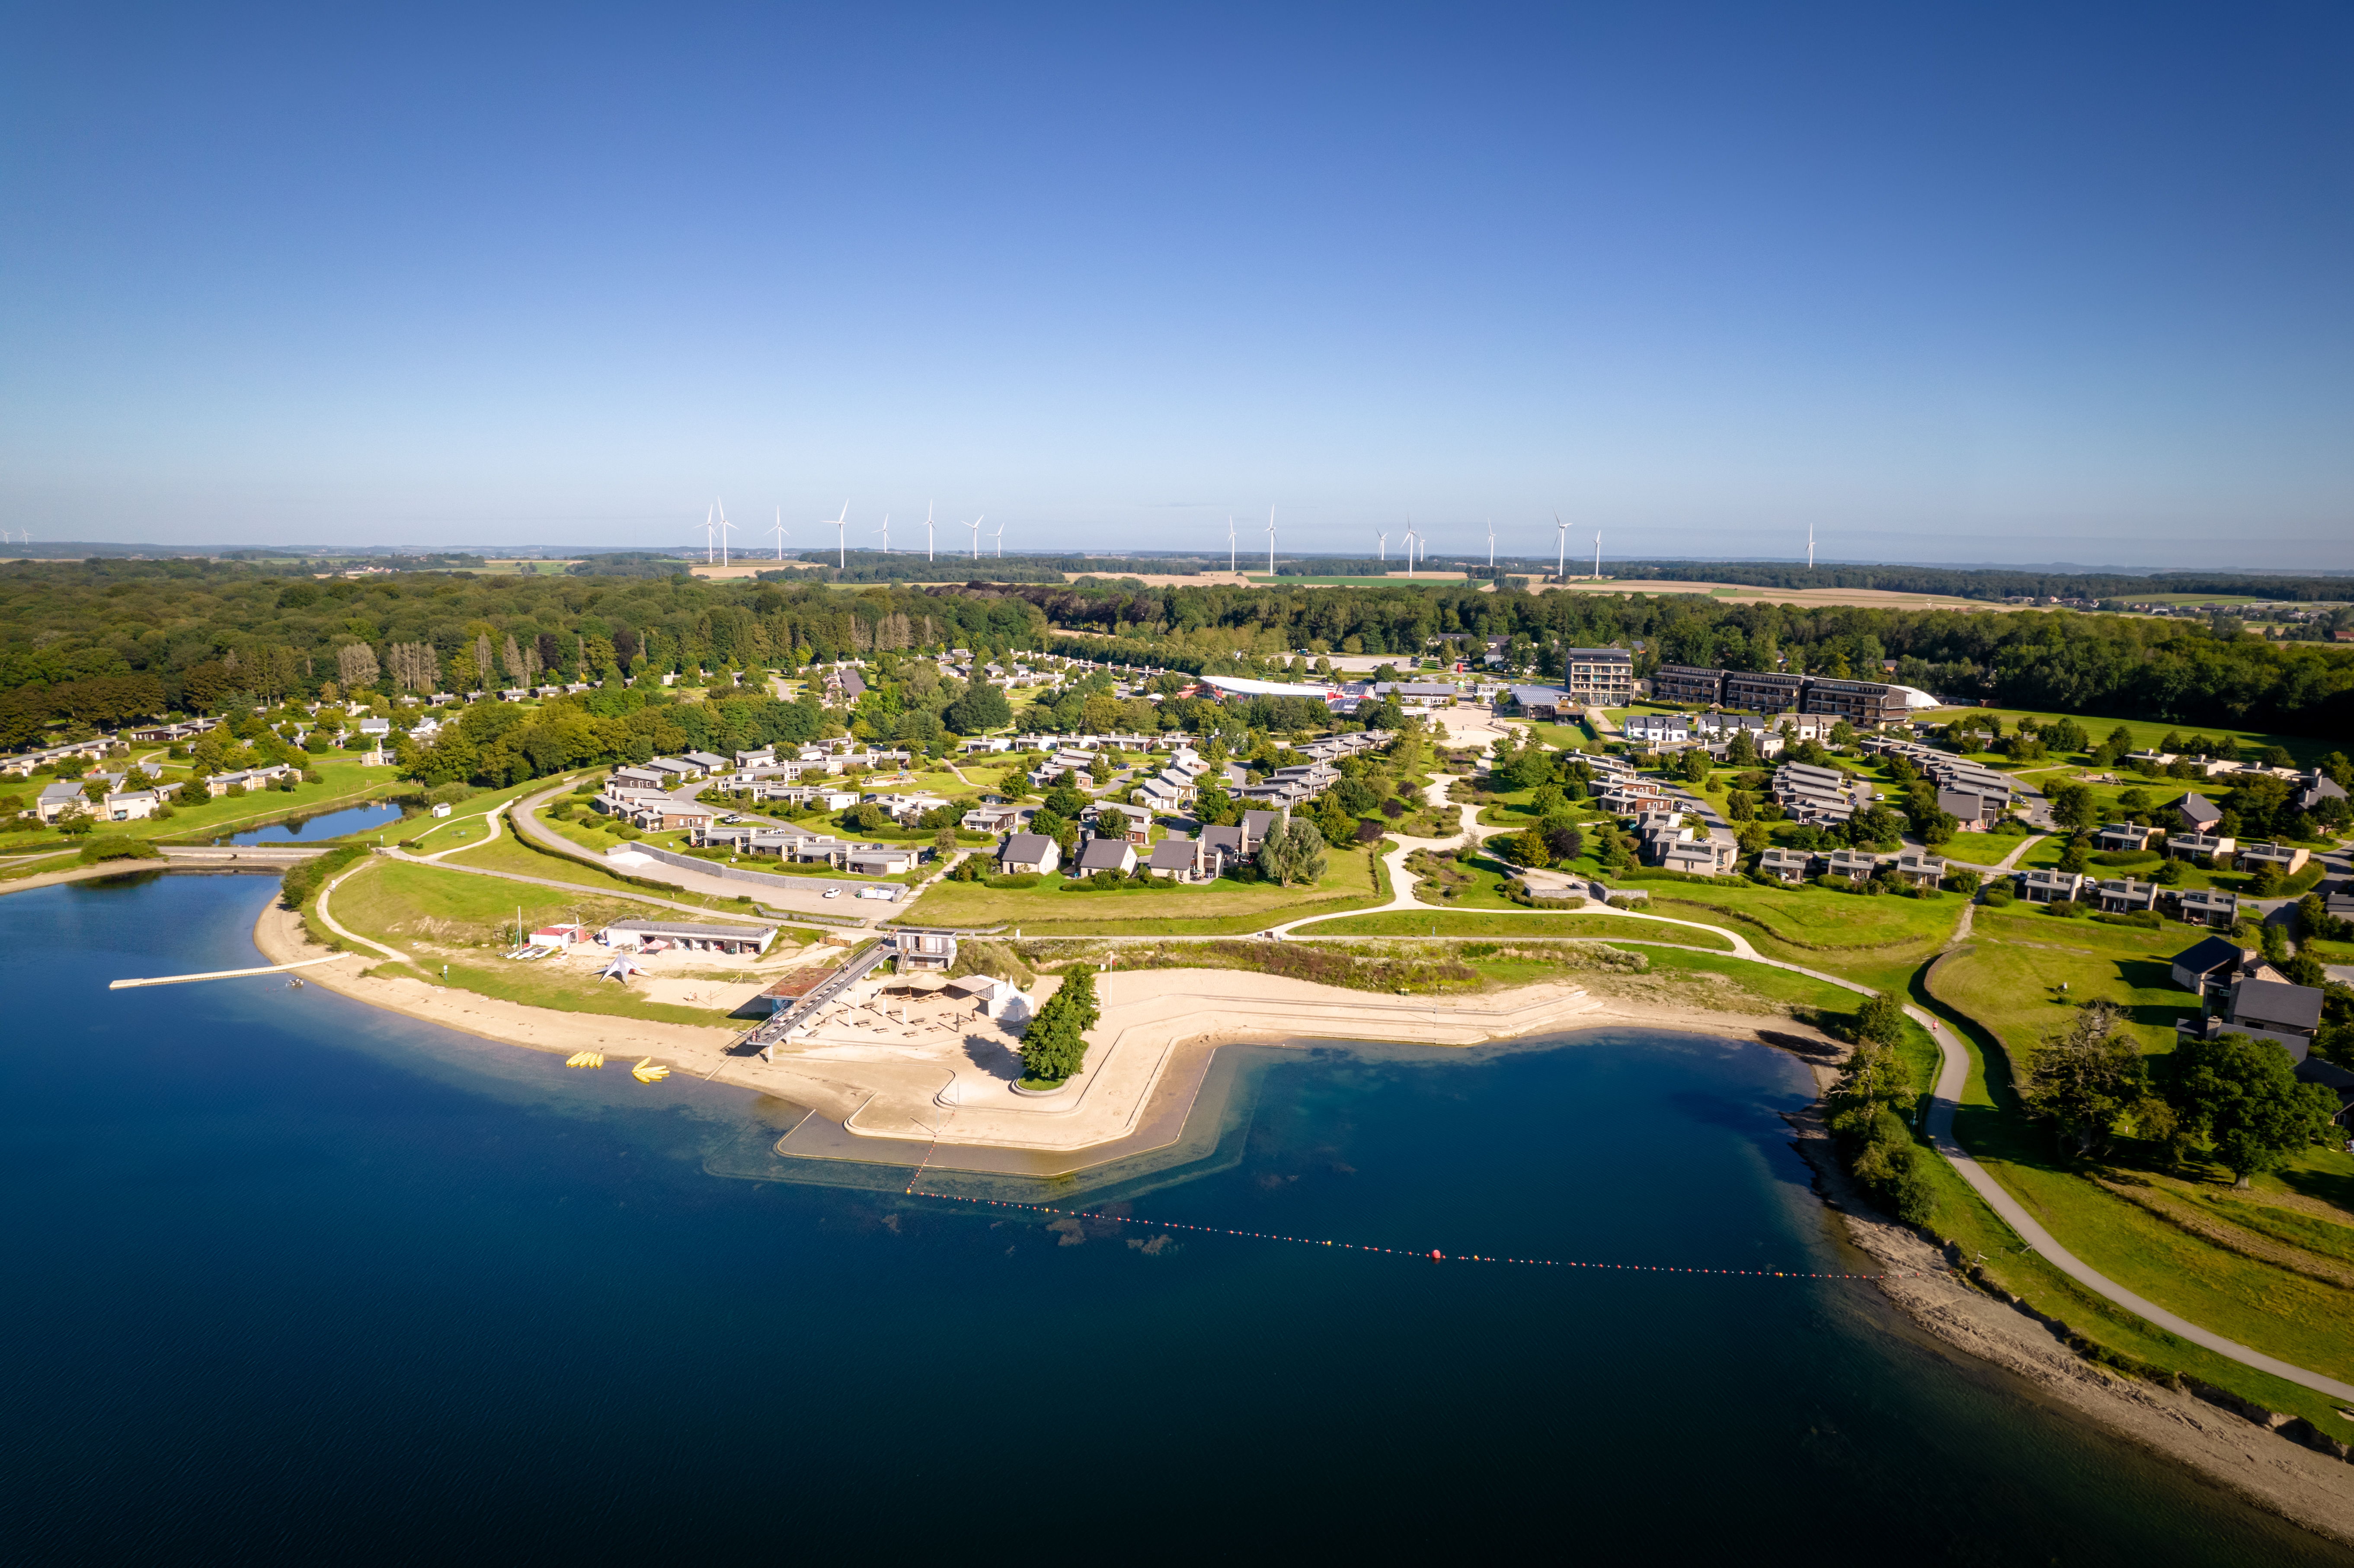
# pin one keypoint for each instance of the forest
(101, 641)
(2104, 666)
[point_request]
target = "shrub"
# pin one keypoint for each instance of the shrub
(2067, 908)
(302, 881)
(2147, 919)
(1016, 881)
(1996, 897)
(115, 847)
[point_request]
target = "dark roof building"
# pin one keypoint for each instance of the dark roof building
(2198, 813)
(2204, 960)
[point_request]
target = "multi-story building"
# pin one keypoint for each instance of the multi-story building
(1857, 702)
(1601, 677)
(1683, 684)
(1763, 694)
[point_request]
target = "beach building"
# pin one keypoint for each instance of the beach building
(925, 952)
(660, 935)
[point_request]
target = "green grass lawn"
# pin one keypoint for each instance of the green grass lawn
(473, 919)
(2147, 733)
(2008, 977)
(2003, 984)
(1048, 909)
(508, 853)
(1471, 923)
(1811, 924)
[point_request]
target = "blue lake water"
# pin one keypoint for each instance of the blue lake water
(293, 1280)
(325, 825)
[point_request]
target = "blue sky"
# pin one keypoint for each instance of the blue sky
(2022, 283)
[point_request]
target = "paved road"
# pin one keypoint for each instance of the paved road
(1953, 1072)
(814, 901)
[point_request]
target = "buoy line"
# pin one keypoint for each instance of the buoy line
(1434, 1254)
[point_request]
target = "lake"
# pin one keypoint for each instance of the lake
(325, 825)
(293, 1280)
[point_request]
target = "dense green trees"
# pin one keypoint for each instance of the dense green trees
(2085, 1077)
(1054, 1045)
(1865, 1110)
(2241, 1100)
(1292, 852)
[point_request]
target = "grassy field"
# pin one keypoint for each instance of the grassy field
(2004, 986)
(2147, 733)
(506, 853)
(1048, 909)
(1813, 925)
(2008, 977)
(1471, 923)
(466, 921)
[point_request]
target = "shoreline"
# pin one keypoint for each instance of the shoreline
(951, 1093)
(2312, 1490)
(1174, 1020)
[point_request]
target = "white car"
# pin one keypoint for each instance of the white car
(831, 893)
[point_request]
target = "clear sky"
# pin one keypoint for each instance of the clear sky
(2032, 282)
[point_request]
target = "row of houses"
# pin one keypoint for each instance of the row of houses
(803, 846)
(1973, 794)
(2218, 849)
(2125, 895)
(1715, 731)
(1176, 857)
(1912, 867)
(1818, 795)
(130, 800)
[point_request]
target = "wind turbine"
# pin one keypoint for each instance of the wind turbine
(1000, 537)
(1385, 547)
(725, 527)
(1491, 544)
(841, 526)
(780, 532)
(708, 513)
(1561, 555)
(1597, 557)
(927, 531)
(1270, 541)
(1810, 546)
(885, 532)
(975, 526)
(1230, 547)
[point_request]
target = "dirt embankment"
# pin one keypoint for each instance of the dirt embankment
(2312, 1489)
